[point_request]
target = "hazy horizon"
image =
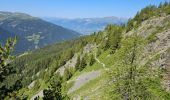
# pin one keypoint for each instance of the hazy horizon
(77, 9)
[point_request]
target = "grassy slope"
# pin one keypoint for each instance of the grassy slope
(98, 88)
(94, 89)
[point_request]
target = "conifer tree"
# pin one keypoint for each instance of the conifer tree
(5, 57)
(92, 60)
(68, 72)
(5, 70)
(131, 81)
(54, 90)
(83, 63)
(77, 63)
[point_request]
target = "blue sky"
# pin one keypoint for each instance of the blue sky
(77, 8)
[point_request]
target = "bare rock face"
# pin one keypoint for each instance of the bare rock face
(88, 48)
(39, 94)
(157, 51)
(31, 85)
(166, 64)
(71, 63)
(161, 48)
(83, 79)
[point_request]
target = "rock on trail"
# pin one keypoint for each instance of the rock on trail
(83, 79)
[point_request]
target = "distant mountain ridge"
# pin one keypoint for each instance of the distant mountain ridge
(32, 32)
(86, 25)
(130, 62)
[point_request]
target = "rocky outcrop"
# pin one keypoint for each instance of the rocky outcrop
(31, 85)
(71, 63)
(83, 79)
(38, 95)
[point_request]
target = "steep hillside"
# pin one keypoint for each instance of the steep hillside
(119, 63)
(87, 25)
(32, 32)
(4, 35)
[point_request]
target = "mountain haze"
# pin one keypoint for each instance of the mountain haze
(122, 62)
(86, 25)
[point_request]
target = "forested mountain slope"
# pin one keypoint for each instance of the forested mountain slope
(32, 32)
(120, 63)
